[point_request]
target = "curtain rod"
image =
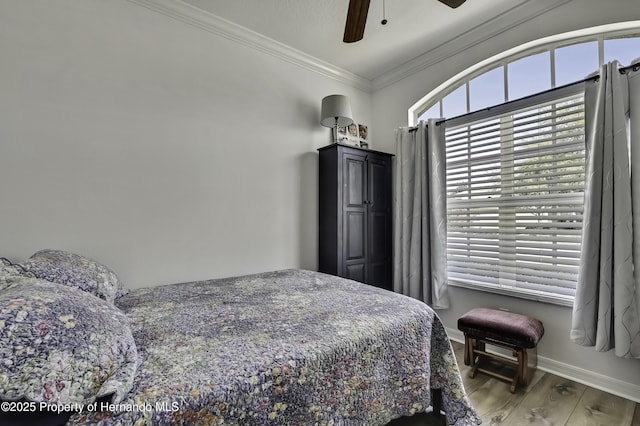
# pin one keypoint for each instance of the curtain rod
(596, 77)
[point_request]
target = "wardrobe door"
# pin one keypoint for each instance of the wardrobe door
(379, 221)
(355, 216)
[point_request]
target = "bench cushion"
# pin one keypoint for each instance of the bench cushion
(514, 329)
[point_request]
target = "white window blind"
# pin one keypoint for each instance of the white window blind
(515, 191)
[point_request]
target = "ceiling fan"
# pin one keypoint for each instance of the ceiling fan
(357, 18)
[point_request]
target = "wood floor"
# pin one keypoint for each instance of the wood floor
(547, 400)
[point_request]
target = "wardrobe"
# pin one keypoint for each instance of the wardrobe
(355, 208)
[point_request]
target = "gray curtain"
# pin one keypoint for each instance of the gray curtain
(606, 307)
(420, 227)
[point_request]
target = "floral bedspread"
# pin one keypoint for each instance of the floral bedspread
(289, 347)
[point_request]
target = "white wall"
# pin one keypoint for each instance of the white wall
(390, 106)
(158, 148)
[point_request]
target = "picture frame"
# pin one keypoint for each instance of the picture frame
(355, 134)
(363, 136)
(346, 135)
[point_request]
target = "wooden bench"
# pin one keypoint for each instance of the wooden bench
(514, 332)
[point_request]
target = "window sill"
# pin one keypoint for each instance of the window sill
(554, 299)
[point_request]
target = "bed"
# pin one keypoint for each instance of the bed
(290, 347)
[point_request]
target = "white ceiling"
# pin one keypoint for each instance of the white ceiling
(414, 27)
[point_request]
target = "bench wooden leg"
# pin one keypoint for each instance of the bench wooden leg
(476, 367)
(524, 367)
(474, 358)
(468, 350)
(522, 371)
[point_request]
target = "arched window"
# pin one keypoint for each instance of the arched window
(516, 160)
(531, 68)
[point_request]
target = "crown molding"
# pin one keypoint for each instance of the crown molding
(522, 12)
(213, 24)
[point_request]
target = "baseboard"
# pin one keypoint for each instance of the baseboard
(598, 381)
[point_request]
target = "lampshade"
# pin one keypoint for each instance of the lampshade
(336, 110)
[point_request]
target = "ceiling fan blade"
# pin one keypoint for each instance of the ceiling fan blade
(452, 3)
(356, 20)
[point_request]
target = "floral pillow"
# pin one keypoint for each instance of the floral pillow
(61, 345)
(8, 271)
(77, 271)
